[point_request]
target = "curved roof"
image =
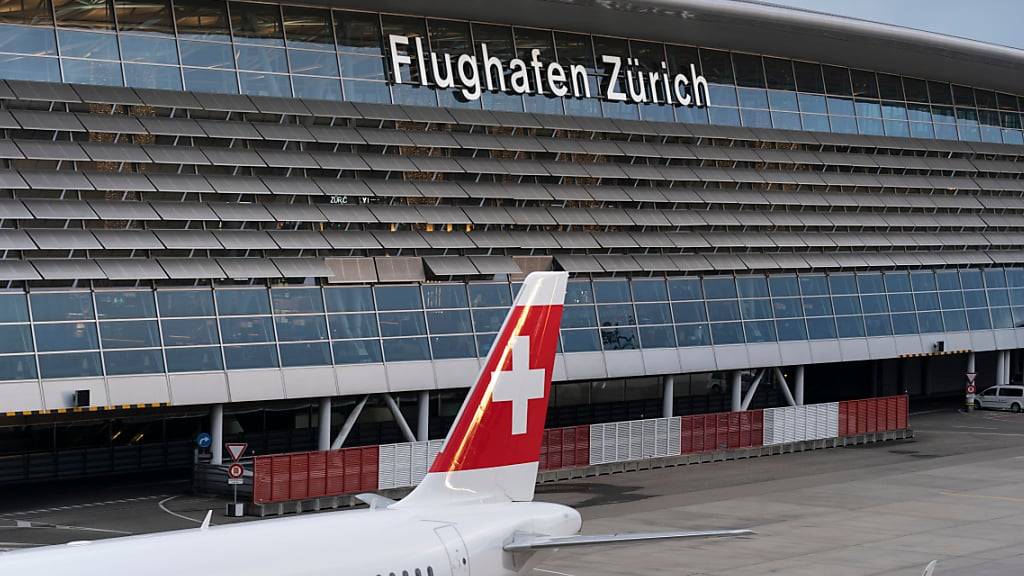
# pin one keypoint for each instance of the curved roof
(746, 26)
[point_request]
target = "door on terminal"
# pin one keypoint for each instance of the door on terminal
(458, 557)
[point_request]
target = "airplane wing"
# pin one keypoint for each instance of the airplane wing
(529, 542)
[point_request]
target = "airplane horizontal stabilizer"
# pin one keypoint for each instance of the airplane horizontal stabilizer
(374, 501)
(530, 542)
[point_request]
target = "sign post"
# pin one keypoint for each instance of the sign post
(236, 472)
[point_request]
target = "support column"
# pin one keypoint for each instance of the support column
(970, 377)
(399, 418)
(217, 434)
(736, 391)
(324, 429)
(784, 386)
(1000, 366)
(350, 421)
(423, 417)
(668, 394)
(798, 383)
(1007, 368)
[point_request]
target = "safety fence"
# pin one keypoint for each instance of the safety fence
(872, 415)
(565, 447)
(303, 475)
(721, 431)
(308, 475)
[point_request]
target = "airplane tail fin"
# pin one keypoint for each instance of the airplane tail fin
(492, 451)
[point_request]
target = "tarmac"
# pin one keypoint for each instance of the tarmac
(954, 494)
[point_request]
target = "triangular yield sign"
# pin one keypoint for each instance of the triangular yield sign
(235, 450)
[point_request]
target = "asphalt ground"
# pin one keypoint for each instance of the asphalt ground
(954, 494)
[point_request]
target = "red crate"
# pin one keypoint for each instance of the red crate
(892, 409)
(757, 428)
(582, 445)
(902, 413)
(862, 416)
(733, 429)
(299, 476)
(335, 472)
(317, 474)
(872, 415)
(745, 425)
(280, 488)
(881, 414)
(370, 468)
(844, 417)
(686, 435)
(710, 432)
(261, 479)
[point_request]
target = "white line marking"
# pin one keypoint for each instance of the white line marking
(977, 427)
(79, 506)
(551, 572)
(175, 514)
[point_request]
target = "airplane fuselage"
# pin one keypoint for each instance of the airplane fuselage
(445, 541)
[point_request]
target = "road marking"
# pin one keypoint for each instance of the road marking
(79, 506)
(983, 496)
(977, 427)
(175, 514)
(551, 572)
(936, 431)
(37, 525)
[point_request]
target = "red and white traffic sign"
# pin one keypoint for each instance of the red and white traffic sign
(236, 471)
(236, 449)
(970, 389)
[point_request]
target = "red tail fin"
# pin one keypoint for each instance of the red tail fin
(493, 449)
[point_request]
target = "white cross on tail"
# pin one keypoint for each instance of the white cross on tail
(518, 385)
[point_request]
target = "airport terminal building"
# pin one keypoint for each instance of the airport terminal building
(251, 216)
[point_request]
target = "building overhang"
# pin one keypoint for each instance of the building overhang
(745, 26)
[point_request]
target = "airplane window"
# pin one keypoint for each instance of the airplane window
(430, 571)
(418, 573)
(405, 573)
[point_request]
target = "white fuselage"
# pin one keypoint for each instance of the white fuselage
(459, 540)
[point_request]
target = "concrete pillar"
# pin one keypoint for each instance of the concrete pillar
(668, 394)
(423, 417)
(217, 434)
(1000, 367)
(798, 384)
(324, 430)
(736, 387)
(1006, 367)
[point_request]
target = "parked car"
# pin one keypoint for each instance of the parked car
(1001, 398)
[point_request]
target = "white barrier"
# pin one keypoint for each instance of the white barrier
(799, 423)
(634, 440)
(405, 464)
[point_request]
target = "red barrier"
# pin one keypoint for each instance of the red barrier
(873, 415)
(565, 448)
(724, 430)
(304, 475)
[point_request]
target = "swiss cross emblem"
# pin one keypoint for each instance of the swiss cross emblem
(518, 385)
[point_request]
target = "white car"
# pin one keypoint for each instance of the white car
(1001, 398)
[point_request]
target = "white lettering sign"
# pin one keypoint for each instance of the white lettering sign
(626, 81)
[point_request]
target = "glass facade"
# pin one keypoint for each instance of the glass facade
(268, 49)
(63, 334)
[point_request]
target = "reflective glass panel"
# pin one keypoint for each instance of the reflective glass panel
(129, 304)
(194, 359)
(305, 354)
(74, 365)
(247, 357)
(185, 303)
(357, 352)
(47, 306)
(133, 362)
(134, 334)
(240, 330)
